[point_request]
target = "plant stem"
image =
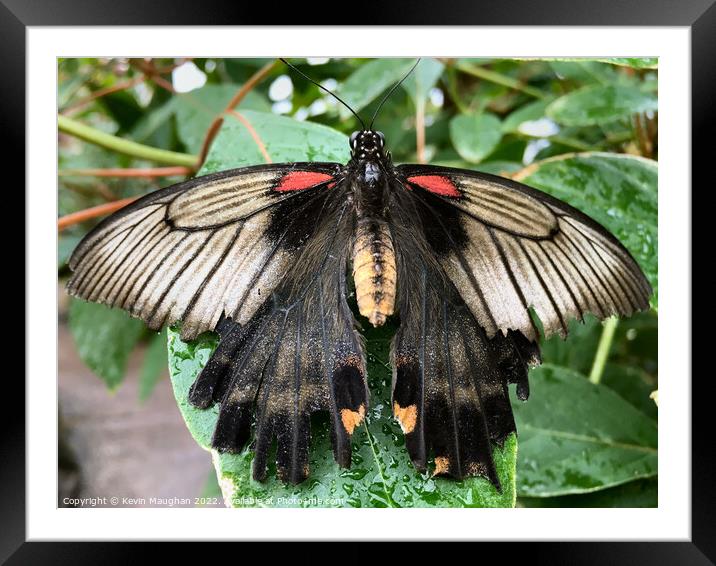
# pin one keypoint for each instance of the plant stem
(127, 147)
(498, 78)
(609, 326)
(420, 129)
(88, 213)
(121, 172)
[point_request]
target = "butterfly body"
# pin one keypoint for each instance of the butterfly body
(373, 255)
(260, 255)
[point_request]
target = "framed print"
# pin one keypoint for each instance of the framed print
(418, 272)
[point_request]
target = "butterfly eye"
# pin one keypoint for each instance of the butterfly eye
(354, 137)
(381, 138)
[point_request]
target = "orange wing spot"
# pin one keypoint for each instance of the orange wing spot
(300, 180)
(442, 465)
(407, 417)
(351, 419)
(436, 184)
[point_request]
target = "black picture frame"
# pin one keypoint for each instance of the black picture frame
(698, 15)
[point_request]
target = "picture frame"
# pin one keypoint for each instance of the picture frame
(700, 17)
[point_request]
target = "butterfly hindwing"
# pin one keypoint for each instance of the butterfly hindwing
(299, 354)
(450, 380)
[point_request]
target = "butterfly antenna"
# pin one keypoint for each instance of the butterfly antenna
(391, 91)
(323, 88)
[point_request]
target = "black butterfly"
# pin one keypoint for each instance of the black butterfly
(260, 255)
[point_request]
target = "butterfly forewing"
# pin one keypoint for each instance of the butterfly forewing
(216, 244)
(514, 248)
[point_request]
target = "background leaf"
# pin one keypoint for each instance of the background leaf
(104, 338)
(594, 105)
(638, 493)
(634, 62)
(422, 79)
(284, 139)
(528, 113)
(576, 436)
(370, 80)
(197, 109)
(475, 136)
(153, 365)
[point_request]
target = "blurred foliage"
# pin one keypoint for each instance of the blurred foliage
(582, 130)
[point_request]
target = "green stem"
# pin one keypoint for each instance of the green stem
(605, 343)
(499, 79)
(121, 145)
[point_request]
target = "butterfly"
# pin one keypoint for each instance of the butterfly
(269, 256)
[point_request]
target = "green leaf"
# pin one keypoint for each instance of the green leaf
(577, 351)
(502, 168)
(153, 120)
(600, 104)
(66, 243)
(528, 113)
(633, 385)
(196, 110)
(284, 139)
(381, 474)
(475, 136)
(577, 437)
(584, 71)
(422, 79)
(104, 338)
(639, 493)
(368, 81)
(618, 191)
(155, 360)
(634, 62)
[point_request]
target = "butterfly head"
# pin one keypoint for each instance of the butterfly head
(367, 145)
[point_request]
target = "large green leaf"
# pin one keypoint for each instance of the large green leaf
(524, 114)
(381, 474)
(577, 351)
(475, 136)
(104, 338)
(633, 385)
(196, 110)
(634, 62)
(577, 437)
(638, 493)
(368, 81)
(618, 191)
(283, 138)
(593, 105)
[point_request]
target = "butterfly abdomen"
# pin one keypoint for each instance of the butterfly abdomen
(374, 270)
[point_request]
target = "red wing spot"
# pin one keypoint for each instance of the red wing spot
(436, 184)
(300, 180)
